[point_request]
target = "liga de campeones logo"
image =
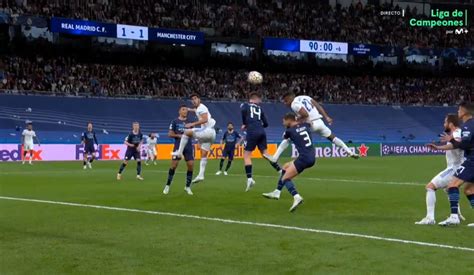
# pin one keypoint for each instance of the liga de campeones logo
(440, 18)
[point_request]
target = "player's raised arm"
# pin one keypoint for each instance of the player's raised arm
(322, 111)
(204, 118)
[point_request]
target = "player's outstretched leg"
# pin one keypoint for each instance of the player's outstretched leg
(89, 164)
(182, 143)
(84, 162)
(248, 170)
(453, 193)
(339, 143)
(202, 167)
(122, 167)
(229, 163)
(430, 205)
(189, 177)
(275, 194)
(221, 164)
(290, 173)
(139, 170)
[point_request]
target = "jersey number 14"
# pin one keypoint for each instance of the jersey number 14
(255, 112)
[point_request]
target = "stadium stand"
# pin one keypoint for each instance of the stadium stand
(303, 19)
(66, 76)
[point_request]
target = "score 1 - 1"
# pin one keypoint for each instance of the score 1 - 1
(132, 32)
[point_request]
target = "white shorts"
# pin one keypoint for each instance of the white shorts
(28, 146)
(319, 127)
(151, 152)
(205, 136)
(443, 178)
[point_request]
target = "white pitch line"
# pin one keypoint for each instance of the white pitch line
(229, 221)
(239, 175)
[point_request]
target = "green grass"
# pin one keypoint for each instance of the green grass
(51, 239)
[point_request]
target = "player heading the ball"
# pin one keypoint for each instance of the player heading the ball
(205, 135)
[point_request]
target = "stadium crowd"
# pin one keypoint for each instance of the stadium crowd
(66, 76)
(300, 19)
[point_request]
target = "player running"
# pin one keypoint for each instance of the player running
(454, 159)
(134, 142)
(176, 131)
(88, 139)
(254, 122)
(27, 140)
(151, 142)
(231, 138)
(205, 135)
(300, 135)
(310, 111)
(465, 172)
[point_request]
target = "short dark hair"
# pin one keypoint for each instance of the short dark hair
(230, 123)
(255, 94)
(182, 106)
(468, 106)
(194, 95)
(287, 94)
(290, 116)
(454, 119)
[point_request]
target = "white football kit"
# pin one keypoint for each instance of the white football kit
(314, 117)
(206, 134)
(151, 146)
(454, 159)
(28, 143)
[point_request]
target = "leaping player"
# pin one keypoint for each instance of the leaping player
(205, 135)
(300, 135)
(465, 172)
(310, 111)
(27, 139)
(254, 122)
(454, 159)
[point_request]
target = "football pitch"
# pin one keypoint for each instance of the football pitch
(358, 217)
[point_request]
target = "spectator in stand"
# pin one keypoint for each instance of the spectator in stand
(66, 76)
(300, 19)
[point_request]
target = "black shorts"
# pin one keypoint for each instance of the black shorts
(188, 152)
(258, 139)
(303, 162)
(132, 152)
(228, 153)
(465, 172)
(89, 149)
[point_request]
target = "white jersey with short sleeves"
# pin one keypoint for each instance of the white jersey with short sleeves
(200, 111)
(455, 157)
(28, 136)
(305, 102)
(151, 142)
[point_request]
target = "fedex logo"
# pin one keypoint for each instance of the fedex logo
(17, 153)
(104, 152)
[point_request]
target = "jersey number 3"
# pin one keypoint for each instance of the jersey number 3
(306, 138)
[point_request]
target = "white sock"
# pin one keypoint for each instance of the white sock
(340, 143)
(430, 203)
(202, 167)
(182, 144)
(282, 147)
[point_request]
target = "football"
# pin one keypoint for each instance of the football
(255, 77)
